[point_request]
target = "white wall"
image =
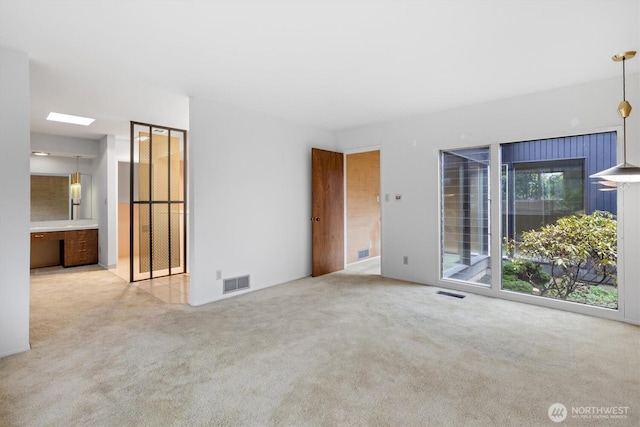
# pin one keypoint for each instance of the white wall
(123, 150)
(14, 204)
(64, 146)
(124, 176)
(249, 197)
(409, 165)
(106, 195)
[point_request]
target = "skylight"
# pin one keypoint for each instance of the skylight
(66, 118)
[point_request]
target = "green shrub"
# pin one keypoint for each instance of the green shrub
(517, 285)
(511, 269)
(573, 247)
(526, 270)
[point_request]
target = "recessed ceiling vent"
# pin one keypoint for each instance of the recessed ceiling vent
(236, 284)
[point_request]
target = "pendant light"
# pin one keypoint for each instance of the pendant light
(76, 188)
(624, 173)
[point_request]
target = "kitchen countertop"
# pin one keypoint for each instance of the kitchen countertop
(64, 225)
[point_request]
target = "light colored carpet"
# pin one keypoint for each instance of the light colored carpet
(343, 349)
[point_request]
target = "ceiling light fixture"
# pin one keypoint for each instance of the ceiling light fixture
(606, 183)
(39, 153)
(66, 118)
(624, 173)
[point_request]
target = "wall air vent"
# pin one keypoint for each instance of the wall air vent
(235, 284)
(450, 294)
(363, 254)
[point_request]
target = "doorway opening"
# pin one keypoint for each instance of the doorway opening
(345, 228)
(363, 209)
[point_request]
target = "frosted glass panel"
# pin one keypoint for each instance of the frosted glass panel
(176, 166)
(161, 245)
(145, 238)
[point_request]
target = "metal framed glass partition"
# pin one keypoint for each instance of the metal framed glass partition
(157, 237)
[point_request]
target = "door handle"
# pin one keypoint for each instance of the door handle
(316, 219)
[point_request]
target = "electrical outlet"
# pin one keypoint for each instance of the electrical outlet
(405, 259)
(218, 274)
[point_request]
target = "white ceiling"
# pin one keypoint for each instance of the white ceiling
(332, 64)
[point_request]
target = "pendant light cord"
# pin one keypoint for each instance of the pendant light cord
(624, 119)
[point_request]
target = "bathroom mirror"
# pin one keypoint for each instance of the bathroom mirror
(51, 201)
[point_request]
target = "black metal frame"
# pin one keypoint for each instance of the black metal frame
(152, 202)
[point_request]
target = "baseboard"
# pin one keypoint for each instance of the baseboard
(239, 293)
(15, 351)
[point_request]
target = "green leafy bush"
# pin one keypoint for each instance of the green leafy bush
(513, 284)
(574, 247)
(526, 270)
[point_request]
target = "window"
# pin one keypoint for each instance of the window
(558, 227)
(465, 215)
(546, 191)
(559, 230)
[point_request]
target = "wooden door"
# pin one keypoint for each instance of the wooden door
(327, 210)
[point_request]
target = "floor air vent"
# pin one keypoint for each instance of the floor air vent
(363, 254)
(450, 294)
(236, 283)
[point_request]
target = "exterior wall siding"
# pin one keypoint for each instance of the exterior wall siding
(598, 150)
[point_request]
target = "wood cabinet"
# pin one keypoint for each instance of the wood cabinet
(47, 236)
(45, 249)
(66, 248)
(80, 247)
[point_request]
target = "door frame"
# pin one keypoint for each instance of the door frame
(358, 150)
(344, 183)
